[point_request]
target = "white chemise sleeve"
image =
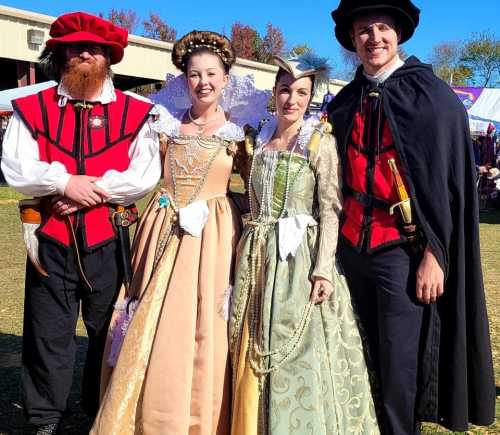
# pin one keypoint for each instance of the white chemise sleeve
(22, 167)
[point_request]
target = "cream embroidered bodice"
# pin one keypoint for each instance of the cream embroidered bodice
(196, 167)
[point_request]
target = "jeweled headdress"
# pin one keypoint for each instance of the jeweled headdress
(196, 40)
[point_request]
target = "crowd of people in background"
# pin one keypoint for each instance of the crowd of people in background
(487, 159)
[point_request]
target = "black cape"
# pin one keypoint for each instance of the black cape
(431, 133)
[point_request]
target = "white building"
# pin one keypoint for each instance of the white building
(23, 36)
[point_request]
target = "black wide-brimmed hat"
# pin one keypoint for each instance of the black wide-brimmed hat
(404, 11)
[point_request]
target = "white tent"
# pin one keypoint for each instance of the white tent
(483, 107)
(487, 106)
(478, 126)
(11, 94)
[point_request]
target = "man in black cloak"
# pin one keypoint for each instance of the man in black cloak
(414, 270)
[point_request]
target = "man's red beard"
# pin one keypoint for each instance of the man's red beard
(80, 80)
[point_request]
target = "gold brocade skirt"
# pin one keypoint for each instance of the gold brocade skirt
(173, 376)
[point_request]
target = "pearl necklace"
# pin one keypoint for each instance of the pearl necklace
(201, 125)
(288, 349)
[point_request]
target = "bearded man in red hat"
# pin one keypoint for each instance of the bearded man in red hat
(83, 147)
(409, 236)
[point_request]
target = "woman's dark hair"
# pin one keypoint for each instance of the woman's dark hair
(281, 72)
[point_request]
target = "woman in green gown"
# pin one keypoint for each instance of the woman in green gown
(298, 363)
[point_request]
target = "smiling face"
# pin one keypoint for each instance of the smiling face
(376, 39)
(292, 97)
(206, 78)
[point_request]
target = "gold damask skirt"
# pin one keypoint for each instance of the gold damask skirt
(172, 375)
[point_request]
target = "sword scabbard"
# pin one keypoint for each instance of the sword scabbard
(122, 218)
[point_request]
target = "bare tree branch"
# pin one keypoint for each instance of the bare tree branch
(156, 28)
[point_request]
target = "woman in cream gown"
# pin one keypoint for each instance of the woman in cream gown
(172, 375)
(296, 350)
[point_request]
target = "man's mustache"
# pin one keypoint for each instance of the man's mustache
(76, 61)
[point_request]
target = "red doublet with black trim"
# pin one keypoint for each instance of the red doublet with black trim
(88, 141)
(370, 188)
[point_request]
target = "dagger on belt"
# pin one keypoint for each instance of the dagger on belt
(404, 204)
(122, 219)
(31, 218)
(30, 211)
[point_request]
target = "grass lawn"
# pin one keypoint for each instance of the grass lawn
(12, 258)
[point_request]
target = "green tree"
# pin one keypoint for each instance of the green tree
(448, 66)
(482, 55)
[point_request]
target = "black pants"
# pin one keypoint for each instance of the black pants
(382, 287)
(50, 314)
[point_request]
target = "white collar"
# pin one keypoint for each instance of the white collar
(384, 75)
(107, 96)
(268, 129)
(170, 124)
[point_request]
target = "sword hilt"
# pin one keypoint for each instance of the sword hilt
(405, 209)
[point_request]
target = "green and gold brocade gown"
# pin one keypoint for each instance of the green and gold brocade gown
(317, 381)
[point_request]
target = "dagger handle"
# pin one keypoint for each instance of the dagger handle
(404, 204)
(402, 193)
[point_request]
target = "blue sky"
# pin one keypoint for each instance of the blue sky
(301, 21)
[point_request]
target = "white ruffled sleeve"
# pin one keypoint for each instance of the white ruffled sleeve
(165, 122)
(231, 132)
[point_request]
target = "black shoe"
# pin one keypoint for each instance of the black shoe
(48, 429)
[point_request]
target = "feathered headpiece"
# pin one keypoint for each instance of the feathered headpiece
(306, 65)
